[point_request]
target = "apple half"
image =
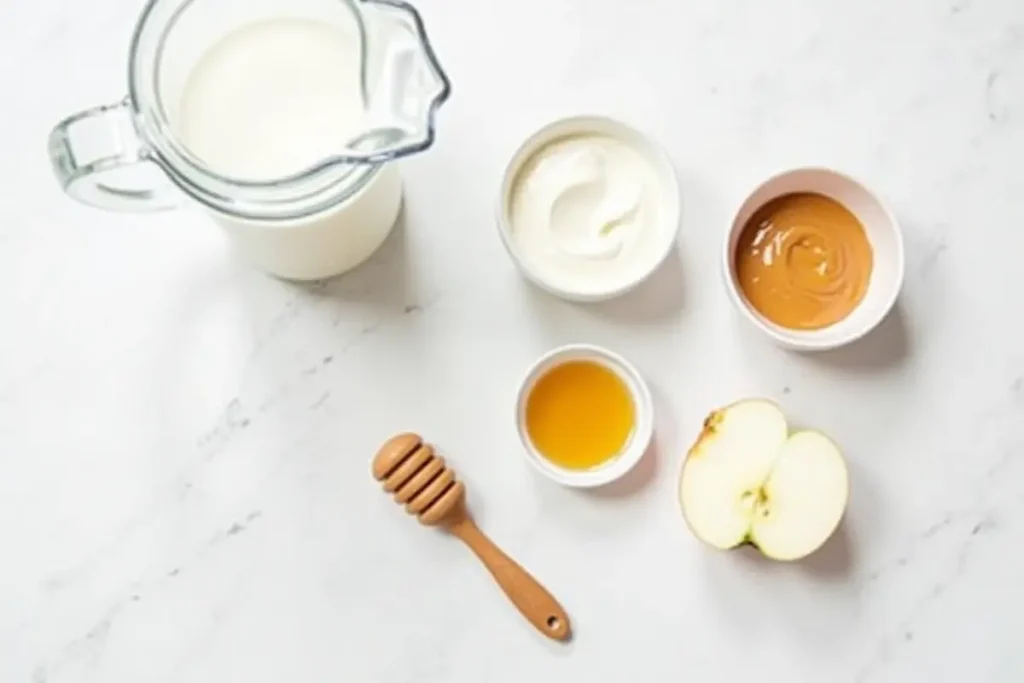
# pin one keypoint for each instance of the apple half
(747, 479)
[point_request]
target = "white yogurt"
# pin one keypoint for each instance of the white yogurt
(274, 98)
(590, 213)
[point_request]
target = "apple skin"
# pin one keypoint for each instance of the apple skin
(755, 499)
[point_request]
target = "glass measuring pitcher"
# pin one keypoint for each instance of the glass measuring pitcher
(279, 117)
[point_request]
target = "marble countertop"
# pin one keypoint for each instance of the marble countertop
(184, 442)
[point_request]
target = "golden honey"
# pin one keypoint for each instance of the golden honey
(579, 415)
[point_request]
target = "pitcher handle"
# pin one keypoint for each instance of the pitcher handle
(402, 123)
(100, 160)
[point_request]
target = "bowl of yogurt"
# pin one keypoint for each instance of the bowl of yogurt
(589, 208)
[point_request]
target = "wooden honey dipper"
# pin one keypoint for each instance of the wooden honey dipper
(419, 479)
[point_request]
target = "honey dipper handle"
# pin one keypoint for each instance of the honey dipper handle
(531, 598)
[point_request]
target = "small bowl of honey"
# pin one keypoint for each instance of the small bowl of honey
(584, 415)
(813, 259)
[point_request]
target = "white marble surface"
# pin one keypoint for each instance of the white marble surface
(184, 492)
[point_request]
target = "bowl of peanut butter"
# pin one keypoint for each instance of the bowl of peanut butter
(813, 259)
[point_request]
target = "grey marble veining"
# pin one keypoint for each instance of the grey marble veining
(184, 443)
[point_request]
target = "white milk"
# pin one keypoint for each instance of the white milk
(269, 100)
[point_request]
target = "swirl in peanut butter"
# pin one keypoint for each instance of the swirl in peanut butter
(803, 261)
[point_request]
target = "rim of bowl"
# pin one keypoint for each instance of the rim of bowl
(624, 132)
(804, 340)
(639, 440)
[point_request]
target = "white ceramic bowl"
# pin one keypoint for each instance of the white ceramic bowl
(883, 233)
(604, 126)
(643, 406)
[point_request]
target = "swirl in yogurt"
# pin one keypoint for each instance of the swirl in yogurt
(585, 214)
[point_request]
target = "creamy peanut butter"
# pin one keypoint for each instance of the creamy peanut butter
(803, 261)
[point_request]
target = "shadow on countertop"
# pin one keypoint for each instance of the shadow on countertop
(658, 298)
(887, 346)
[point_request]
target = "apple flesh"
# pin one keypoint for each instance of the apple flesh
(747, 479)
